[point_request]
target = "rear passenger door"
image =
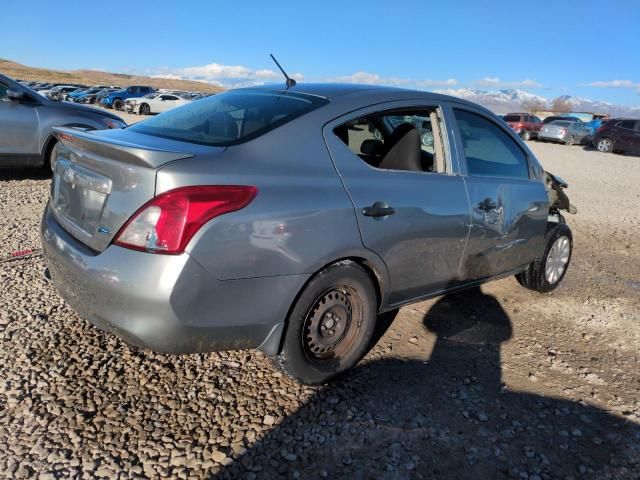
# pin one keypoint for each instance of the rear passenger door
(415, 219)
(509, 207)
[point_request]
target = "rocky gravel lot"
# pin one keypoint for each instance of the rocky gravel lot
(497, 382)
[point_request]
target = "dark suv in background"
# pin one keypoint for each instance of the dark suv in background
(618, 135)
(525, 125)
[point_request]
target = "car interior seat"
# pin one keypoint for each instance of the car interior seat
(404, 152)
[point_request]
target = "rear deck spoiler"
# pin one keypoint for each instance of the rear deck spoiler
(115, 149)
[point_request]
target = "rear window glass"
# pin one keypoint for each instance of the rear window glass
(561, 123)
(229, 118)
(512, 118)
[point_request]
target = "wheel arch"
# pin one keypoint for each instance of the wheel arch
(375, 269)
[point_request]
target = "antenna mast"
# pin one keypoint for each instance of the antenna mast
(290, 81)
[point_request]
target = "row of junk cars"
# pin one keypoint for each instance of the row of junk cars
(140, 99)
(617, 135)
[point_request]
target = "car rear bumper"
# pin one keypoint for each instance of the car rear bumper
(551, 137)
(167, 303)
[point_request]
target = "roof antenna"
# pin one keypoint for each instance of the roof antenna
(290, 81)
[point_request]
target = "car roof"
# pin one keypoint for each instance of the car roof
(332, 91)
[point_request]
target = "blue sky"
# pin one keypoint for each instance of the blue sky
(583, 48)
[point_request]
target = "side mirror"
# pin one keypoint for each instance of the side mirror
(15, 95)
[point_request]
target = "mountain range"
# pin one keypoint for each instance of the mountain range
(505, 101)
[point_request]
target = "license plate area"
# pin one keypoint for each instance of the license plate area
(78, 196)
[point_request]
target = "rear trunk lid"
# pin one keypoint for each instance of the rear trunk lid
(553, 129)
(101, 179)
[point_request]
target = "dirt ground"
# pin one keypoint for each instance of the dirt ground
(497, 382)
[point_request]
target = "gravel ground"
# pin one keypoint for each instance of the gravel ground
(497, 382)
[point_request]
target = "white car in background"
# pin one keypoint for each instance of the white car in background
(154, 103)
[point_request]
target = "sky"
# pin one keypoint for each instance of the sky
(584, 48)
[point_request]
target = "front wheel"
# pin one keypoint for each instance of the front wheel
(144, 109)
(605, 145)
(330, 326)
(547, 271)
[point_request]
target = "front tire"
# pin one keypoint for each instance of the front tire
(144, 109)
(547, 271)
(605, 145)
(330, 326)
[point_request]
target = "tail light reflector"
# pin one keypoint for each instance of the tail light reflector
(167, 222)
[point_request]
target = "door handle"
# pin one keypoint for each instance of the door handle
(487, 204)
(378, 209)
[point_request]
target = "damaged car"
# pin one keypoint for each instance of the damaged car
(289, 219)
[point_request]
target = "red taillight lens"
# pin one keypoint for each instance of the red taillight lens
(167, 222)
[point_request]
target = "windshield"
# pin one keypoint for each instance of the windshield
(512, 118)
(229, 118)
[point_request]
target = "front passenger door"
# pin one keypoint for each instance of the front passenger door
(509, 208)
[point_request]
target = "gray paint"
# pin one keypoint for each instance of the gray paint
(241, 272)
(26, 128)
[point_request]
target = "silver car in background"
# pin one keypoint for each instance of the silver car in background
(564, 131)
(288, 219)
(27, 120)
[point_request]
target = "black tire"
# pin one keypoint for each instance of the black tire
(118, 104)
(341, 297)
(604, 145)
(536, 277)
(49, 155)
(144, 109)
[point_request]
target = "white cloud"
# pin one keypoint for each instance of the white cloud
(222, 75)
(495, 82)
(368, 78)
(450, 82)
(616, 84)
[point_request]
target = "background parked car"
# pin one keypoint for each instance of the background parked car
(564, 131)
(27, 121)
(116, 99)
(618, 135)
(553, 118)
(525, 125)
(155, 103)
(97, 97)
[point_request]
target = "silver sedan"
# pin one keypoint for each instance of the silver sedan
(564, 131)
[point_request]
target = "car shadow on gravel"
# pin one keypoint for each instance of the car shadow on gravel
(448, 417)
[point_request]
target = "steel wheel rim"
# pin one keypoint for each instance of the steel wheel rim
(557, 259)
(604, 145)
(332, 324)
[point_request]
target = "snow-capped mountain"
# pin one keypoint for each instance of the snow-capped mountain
(505, 101)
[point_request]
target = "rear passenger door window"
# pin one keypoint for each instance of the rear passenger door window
(489, 150)
(398, 140)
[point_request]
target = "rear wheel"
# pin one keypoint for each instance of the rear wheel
(144, 109)
(547, 271)
(605, 145)
(526, 136)
(118, 104)
(570, 141)
(330, 326)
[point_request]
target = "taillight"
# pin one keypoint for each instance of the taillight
(600, 128)
(167, 222)
(520, 126)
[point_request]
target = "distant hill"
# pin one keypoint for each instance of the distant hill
(94, 77)
(505, 101)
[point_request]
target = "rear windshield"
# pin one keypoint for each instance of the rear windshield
(512, 118)
(561, 123)
(229, 118)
